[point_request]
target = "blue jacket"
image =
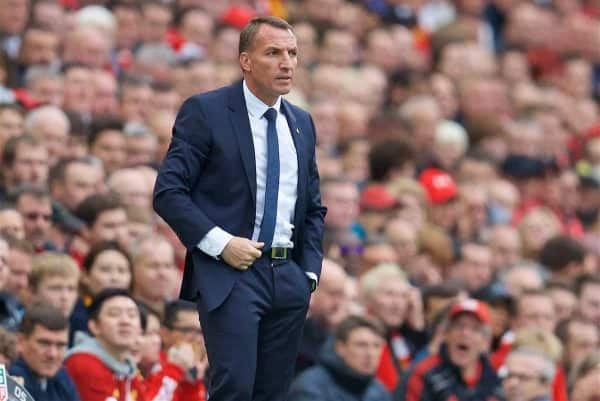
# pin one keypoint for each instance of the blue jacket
(211, 148)
(60, 387)
(333, 380)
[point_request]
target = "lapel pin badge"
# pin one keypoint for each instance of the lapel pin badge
(298, 131)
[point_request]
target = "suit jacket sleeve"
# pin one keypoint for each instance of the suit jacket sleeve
(315, 217)
(187, 155)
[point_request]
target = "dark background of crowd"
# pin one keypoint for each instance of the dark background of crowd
(459, 154)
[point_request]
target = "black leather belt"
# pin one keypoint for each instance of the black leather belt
(279, 253)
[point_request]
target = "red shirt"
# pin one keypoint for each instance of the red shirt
(96, 382)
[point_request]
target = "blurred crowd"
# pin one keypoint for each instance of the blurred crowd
(459, 154)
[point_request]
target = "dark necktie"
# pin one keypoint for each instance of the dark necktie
(267, 228)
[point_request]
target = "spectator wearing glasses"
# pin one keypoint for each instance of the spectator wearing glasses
(42, 341)
(176, 374)
(35, 205)
(528, 376)
(180, 324)
(25, 160)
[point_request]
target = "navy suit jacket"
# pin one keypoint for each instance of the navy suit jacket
(208, 179)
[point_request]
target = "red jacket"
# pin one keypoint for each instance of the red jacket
(166, 382)
(95, 381)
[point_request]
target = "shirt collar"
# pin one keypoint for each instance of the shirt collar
(255, 106)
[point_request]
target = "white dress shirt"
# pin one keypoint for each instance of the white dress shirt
(216, 239)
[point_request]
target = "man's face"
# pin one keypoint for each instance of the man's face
(390, 302)
(110, 270)
(128, 26)
(141, 150)
(37, 215)
(403, 237)
(44, 350)
(58, 291)
(111, 225)
(110, 148)
(536, 311)
(11, 125)
(155, 23)
(525, 378)
(55, 136)
(81, 181)
(445, 214)
(11, 223)
(330, 298)
(186, 328)
(30, 165)
(40, 47)
(466, 339)
(105, 95)
(48, 90)
(506, 249)
(270, 63)
(589, 303)
(19, 264)
(118, 324)
(13, 15)
(135, 103)
(475, 269)
(79, 94)
(565, 303)
(342, 201)
(361, 350)
(197, 27)
(583, 339)
(154, 265)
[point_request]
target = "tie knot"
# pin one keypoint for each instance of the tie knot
(270, 114)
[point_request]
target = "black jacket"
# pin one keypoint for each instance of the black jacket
(332, 380)
(436, 378)
(60, 387)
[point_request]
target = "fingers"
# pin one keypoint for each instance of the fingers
(241, 253)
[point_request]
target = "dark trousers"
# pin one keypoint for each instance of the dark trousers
(252, 339)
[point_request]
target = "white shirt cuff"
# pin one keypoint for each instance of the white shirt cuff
(214, 242)
(313, 277)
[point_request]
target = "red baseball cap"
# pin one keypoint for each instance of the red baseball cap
(377, 197)
(472, 306)
(439, 185)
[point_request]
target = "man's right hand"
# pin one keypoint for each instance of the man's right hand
(240, 252)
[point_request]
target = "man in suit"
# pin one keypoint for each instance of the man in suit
(239, 185)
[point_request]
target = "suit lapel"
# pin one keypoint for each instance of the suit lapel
(298, 138)
(243, 133)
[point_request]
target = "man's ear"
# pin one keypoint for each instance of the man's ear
(93, 327)
(245, 62)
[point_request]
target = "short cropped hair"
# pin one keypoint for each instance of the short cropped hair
(378, 274)
(105, 295)
(351, 323)
(44, 315)
(248, 34)
(94, 205)
(173, 308)
(51, 264)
